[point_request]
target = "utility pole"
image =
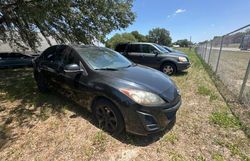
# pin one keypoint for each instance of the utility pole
(190, 43)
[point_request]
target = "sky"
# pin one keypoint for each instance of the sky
(200, 19)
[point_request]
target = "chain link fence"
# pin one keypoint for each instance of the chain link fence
(229, 58)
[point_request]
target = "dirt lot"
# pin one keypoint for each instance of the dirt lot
(36, 126)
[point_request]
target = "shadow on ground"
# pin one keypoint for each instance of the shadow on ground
(181, 73)
(19, 85)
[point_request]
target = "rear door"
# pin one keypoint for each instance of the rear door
(134, 53)
(52, 60)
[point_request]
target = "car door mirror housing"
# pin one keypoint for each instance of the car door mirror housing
(72, 68)
(156, 52)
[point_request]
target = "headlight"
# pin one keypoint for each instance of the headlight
(143, 97)
(183, 59)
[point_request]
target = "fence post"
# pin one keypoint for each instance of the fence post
(204, 49)
(211, 46)
(244, 81)
(205, 53)
(221, 43)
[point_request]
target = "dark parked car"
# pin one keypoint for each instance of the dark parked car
(155, 56)
(13, 60)
(121, 94)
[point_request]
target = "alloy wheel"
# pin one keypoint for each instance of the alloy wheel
(106, 118)
(168, 69)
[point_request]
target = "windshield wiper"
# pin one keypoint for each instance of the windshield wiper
(130, 65)
(106, 69)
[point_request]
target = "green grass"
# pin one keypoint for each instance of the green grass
(171, 137)
(203, 90)
(234, 149)
(201, 158)
(224, 120)
(100, 140)
(218, 157)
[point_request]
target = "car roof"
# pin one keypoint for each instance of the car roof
(148, 43)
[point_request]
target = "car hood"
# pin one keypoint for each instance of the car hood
(149, 78)
(177, 54)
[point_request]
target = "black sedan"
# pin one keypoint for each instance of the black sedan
(14, 60)
(121, 94)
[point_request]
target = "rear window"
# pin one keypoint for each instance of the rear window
(120, 47)
(134, 48)
(4, 55)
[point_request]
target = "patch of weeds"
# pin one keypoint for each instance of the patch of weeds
(233, 149)
(224, 120)
(171, 137)
(177, 157)
(99, 140)
(202, 90)
(218, 157)
(201, 158)
(236, 151)
(44, 113)
(89, 152)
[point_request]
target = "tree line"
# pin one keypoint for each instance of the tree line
(156, 35)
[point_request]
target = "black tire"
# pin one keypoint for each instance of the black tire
(108, 116)
(168, 68)
(41, 82)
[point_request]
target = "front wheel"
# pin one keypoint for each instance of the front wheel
(108, 116)
(168, 68)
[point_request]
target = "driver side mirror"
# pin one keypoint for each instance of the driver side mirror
(72, 68)
(156, 52)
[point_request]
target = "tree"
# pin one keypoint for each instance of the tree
(183, 43)
(160, 36)
(139, 37)
(66, 21)
(120, 38)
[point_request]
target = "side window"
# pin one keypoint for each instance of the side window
(147, 48)
(120, 47)
(70, 57)
(53, 54)
(16, 55)
(47, 54)
(134, 48)
(4, 55)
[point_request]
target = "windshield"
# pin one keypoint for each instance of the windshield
(160, 48)
(103, 58)
(169, 49)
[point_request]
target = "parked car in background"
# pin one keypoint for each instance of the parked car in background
(171, 50)
(155, 56)
(14, 60)
(121, 94)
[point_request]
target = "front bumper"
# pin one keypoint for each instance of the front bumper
(183, 65)
(144, 120)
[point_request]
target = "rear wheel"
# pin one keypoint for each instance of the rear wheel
(108, 116)
(41, 82)
(168, 68)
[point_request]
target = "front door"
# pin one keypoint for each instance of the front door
(149, 56)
